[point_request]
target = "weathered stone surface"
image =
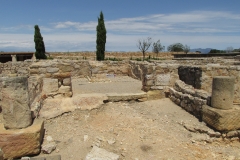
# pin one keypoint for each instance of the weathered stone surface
(221, 120)
(66, 67)
(155, 94)
(188, 102)
(163, 79)
(50, 85)
(62, 75)
(34, 71)
(1, 154)
(48, 148)
(51, 157)
(22, 142)
(53, 107)
(232, 134)
(222, 92)
(52, 70)
(89, 101)
(67, 82)
(114, 97)
(64, 90)
(34, 87)
(101, 154)
(15, 102)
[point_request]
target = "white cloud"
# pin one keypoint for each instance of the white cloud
(197, 29)
(197, 21)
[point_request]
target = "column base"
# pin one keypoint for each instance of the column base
(22, 142)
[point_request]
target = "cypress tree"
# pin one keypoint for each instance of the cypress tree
(39, 44)
(101, 38)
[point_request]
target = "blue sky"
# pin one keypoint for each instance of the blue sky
(71, 25)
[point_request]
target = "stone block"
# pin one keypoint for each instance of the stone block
(89, 101)
(22, 142)
(163, 79)
(114, 97)
(34, 71)
(15, 102)
(52, 70)
(221, 120)
(66, 68)
(53, 107)
(101, 154)
(48, 148)
(34, 87)
(62, 75)
(155, 94)
(50, 85)
(67, 82)
(64, 89)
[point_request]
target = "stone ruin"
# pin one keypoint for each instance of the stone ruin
(207, 88)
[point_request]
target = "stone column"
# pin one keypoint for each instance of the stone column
(222, 92)
(14, 58)
(14, 101)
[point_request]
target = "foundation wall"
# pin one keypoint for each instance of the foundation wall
(154, 75)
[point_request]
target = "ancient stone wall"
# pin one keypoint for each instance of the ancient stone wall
(154, 74)
(189, 98)
(117, 55)
(18, 68)
(109, 67)
(200, 77)
(190, 75)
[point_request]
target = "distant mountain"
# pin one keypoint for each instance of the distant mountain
(203, 51)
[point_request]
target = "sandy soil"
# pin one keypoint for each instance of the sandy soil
(138, 131)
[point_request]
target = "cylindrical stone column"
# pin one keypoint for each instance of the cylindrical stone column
(14, 101)
(222, 92)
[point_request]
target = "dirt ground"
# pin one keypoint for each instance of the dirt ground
(136, 131)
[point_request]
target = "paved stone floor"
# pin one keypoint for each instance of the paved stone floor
(106, 85)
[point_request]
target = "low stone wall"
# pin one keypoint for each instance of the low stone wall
(18, 68)
(117, 55)
(154, 76)
(198, 103)
(189, 98)
(109, 67)
(201, 76)
(60, 69)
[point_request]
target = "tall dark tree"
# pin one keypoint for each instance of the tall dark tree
(39, 44)
(101, 38)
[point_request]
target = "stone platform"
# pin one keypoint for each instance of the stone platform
(222, 120)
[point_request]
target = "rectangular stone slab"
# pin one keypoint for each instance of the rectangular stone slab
(221, 120)
(15, 102)
(21, 142)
